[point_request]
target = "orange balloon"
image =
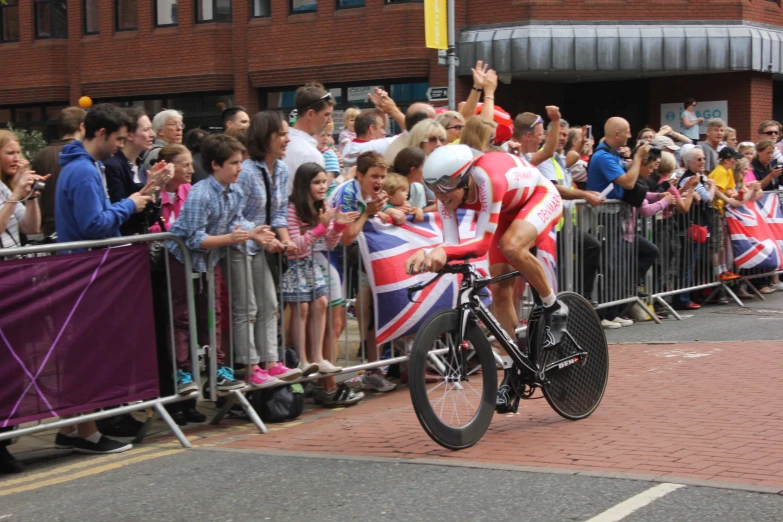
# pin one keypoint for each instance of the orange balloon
(85, 102)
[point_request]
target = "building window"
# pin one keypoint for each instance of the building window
(261, 8)
(404, 1)
(165, 13)
(51, 19)
(348, 4)
(9, 21)
(91, 19)
(126, 15)
(213, 11)
(304, 6)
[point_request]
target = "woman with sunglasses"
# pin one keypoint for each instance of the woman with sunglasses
(516, 207)
(453, 122)
(428, 135)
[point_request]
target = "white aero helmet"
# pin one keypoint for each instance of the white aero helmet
(447, 168)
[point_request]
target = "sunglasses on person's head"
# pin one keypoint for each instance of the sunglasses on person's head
(434, 140)
(327, 96)
(530, 127)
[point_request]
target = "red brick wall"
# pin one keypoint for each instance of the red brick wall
(749, 97)
(505, 11)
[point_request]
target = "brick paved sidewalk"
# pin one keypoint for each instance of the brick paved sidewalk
(704, 411)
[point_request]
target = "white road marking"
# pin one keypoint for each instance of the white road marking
(633, 504)
(5, 516)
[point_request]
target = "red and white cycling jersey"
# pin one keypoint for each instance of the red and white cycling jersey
(509, 188)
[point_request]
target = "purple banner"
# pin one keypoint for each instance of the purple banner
(76, 333)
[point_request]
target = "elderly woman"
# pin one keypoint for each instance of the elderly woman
(454, 123)
(693, 225)
(766, 171)
(19, 211)
(428, 135)
(169, 128)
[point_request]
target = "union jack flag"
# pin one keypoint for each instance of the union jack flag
(386, 247)
(757, 233)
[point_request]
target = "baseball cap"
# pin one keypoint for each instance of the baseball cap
(728, 152)
(664, 142)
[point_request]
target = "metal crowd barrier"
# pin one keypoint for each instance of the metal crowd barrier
(156, 404)
(598, 254)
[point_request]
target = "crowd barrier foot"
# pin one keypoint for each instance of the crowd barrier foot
(755, 290)
(668, 307)
(164, 414)
(734, 296)
(238, 396)
(650, 314)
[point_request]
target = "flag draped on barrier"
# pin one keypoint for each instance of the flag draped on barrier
(757, 233)
(76, 333)
(385, 247)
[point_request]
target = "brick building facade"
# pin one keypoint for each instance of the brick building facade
(164, 53)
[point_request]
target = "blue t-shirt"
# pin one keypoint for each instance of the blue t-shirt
(606, 165)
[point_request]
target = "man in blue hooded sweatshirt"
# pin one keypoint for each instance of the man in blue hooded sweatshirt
(83, 212)
(82, 207)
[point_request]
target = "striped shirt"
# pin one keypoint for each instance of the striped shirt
(304, 235)
(210, 210)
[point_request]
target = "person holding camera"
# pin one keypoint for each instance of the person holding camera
(19, 210)
(766, 169)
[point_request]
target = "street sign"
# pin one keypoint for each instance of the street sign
(438, 93)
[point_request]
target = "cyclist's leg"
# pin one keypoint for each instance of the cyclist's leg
(515, 245)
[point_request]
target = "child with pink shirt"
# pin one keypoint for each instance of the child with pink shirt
(304, 286)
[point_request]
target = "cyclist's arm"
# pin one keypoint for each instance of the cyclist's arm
(485, 226)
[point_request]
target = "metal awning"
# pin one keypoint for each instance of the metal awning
(584, 52)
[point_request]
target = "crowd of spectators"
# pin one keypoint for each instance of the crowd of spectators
(273, 190)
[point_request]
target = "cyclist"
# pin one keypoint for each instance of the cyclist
(516, 206)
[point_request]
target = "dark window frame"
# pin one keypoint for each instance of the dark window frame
(3, 7)
(342, 7)
(85, 32)
(117, 27)
(253, 9)
(394, 2)
(292, 12)
(158, 24)
(36, 34)
(214, 13)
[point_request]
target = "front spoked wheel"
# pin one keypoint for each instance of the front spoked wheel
(574, 389)
(453, 404)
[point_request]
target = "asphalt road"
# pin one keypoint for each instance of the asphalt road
(204, 484)
(758, 321)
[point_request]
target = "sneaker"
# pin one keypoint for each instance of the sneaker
(104, 446)
(282, 372)
(506, 401)
(610, 325)
(9, 463)
(308, 369)
(768, 290)
(185, 382)
(327, 367)
(376, 382)
(728, 276)
(261, 378)
(622, 321)
(64, 441)
(555, 318)
(225, 380)
(776, 286)
(342, 396)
